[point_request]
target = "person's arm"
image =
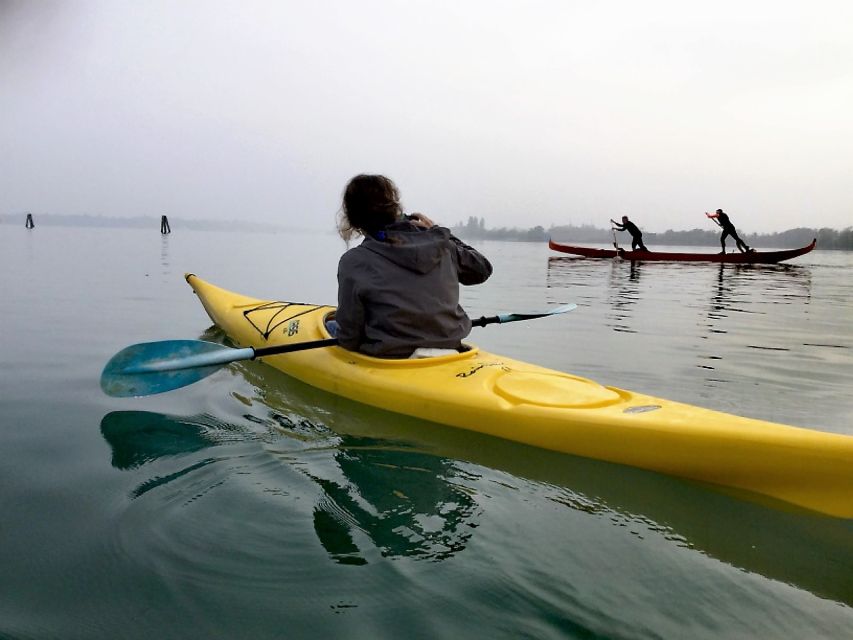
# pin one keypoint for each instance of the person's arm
(712, 215)
(472, 265)
(350, 312)
(617, 226)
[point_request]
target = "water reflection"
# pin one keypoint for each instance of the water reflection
(775, 541)
(582, 275)
(567, 271)
(734, 289)
(741, 287)
(166, 270)
(137, 438)
(623, 293)
(402, 501)
(400, 487)
(751, 289)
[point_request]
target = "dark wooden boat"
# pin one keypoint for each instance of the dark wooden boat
(749, 257)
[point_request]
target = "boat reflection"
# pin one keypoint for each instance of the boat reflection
(623, 293)
(568, 271)
(744, 531)
(583, 277)
(165, 262)
(406, 502)
(580, 275)
(745, 288)
(402, 487)
(137, 438)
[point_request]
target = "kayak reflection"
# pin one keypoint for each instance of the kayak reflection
(404, 501)
(401, 501)
(790, 546)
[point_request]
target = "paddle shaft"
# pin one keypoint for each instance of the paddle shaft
(155, 367)
(331, 342)
(228, 355)
(613, 231)
(478, 322)
(288, 348)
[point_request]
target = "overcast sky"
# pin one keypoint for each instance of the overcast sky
(524, 113)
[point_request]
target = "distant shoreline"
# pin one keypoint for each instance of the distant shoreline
(144, 222)
(474, 230)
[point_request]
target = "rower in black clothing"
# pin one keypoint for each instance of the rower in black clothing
(728, 230)
(630, 227)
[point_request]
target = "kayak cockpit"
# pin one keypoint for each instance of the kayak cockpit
(330, 325)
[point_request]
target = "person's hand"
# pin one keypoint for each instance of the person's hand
(420, 220)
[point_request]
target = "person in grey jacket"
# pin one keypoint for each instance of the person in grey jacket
(398, 290)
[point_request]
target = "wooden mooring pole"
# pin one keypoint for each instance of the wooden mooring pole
(164, 225)
(30, 224)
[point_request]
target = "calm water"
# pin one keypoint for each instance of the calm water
(249, 505)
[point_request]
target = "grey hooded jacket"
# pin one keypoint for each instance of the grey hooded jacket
(401, 293)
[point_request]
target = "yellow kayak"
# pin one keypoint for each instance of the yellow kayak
(545, 408)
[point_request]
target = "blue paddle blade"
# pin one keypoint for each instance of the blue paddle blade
(154, 367)
(513, 317)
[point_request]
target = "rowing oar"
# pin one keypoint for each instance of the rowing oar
(154, 367)
(613, 231)
(716, 222)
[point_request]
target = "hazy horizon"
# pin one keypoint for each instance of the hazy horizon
(523, 113)
(50, 219)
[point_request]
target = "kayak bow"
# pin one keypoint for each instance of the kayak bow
(510, 399)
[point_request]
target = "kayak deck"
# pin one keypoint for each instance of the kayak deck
(510, 399)
(734, 257)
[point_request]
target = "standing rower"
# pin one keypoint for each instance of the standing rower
(630, 227)
(728, 230)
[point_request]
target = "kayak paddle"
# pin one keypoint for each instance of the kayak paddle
(154, 367)
(515, 317)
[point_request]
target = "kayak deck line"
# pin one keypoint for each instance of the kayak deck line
(549, 409)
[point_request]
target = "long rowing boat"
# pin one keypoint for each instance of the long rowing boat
(510, 399)
(748, 257)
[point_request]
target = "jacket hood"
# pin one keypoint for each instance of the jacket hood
(411, 247)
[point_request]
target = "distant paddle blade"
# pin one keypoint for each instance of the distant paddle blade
(155, 367)
(564, 308)
(514, 317)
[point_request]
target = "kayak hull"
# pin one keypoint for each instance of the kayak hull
(510, 399)
(735, 257)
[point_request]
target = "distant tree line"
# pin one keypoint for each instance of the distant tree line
(475, 229)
